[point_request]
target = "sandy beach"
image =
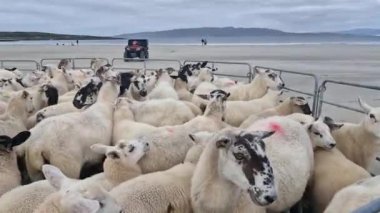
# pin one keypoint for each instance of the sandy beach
(351, 63)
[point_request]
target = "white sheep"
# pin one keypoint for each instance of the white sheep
(161, 112)
(257, 88)
(10, 175)
(15, 118)
(125, 127)
(164, 87)
(201, 92)
(234, 162)
(361, 142)
(121, 162)
(11, 85)
(180, 85)
(290, 152)
(83, 129)
(7, 74)
(325, 183)
(63, 81)
(288, 106)
(26, 198)
(163, 191)
(237, 111)
(354, 196)
(75, 196)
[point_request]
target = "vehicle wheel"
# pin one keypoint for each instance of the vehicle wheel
(142, 55)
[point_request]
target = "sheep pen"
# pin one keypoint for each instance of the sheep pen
(163, 108)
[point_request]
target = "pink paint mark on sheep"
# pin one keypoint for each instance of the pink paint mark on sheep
(276, 127)
(170, 130)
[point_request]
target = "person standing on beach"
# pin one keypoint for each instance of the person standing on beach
(77, 42)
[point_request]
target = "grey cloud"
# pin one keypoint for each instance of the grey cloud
(112, 17)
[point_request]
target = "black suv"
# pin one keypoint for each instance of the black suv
(136, 48)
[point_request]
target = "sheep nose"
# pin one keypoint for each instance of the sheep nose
(332, 145)
(270, 199)
(40, 117)
(372, 116)
(143, 93)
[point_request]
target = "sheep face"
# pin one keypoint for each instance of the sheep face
(75, 196)
(28, 101)
(68, 77)
(51, 94)
(372, 120)
(139, 84)
(243, 161)
(271, 79)
(88, 94)
(320, 135)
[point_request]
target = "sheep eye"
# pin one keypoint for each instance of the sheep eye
(131, 148)
(318, 134)
(101, 204)
(239, 156)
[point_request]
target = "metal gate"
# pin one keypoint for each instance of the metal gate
(249, 74)
(323, 88)
(125, 64)
(76, 63)
(313, 91)
(22, 65)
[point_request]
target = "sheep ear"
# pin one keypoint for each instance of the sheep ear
(367, 108)
(113, 155)
(222, 142)
(264, 134)
(206, 97)
(20, 138)
(193, 138)
(100, 148)
(331, 123)
(54, 175)
(86, 205)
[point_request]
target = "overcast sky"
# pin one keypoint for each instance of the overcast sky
(112, 17)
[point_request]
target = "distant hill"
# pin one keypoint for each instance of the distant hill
(362, 31)
(14, 36)
(241, 35)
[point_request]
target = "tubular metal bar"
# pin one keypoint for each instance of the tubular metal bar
(250, 75)
(73, 61)
(316, 84)
(144, 61)
(35, 64)
(322, 89)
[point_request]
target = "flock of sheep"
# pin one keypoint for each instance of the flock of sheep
(97, 140)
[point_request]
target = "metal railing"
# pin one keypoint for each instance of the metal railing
(9, 63)
(74, 61)
(115, 62)
(249, 74)
(322, 89)
(314, 77)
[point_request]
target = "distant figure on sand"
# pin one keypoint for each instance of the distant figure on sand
(77, 42)
(204, 42)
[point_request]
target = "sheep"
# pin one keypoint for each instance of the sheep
(33, 78)
(324, 183)
(373, 206)
(161, 112)
(14, 119)
(119, 166)
(237, 111)
(360, 142)
(233, 162)
(223, 82)
(164, 87)
(10, 175)
(290, 152)
(63, 81)
(354, 196)
(91, 126)
(6, 74)
(137, 89)
(11, 85)
(162, 191)
(169, 142)
(26, 198)
(75, 196)
(180, 85)
(288, 106)
(202, 89)
(125, 127)
(121, 162)
(257, 88)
